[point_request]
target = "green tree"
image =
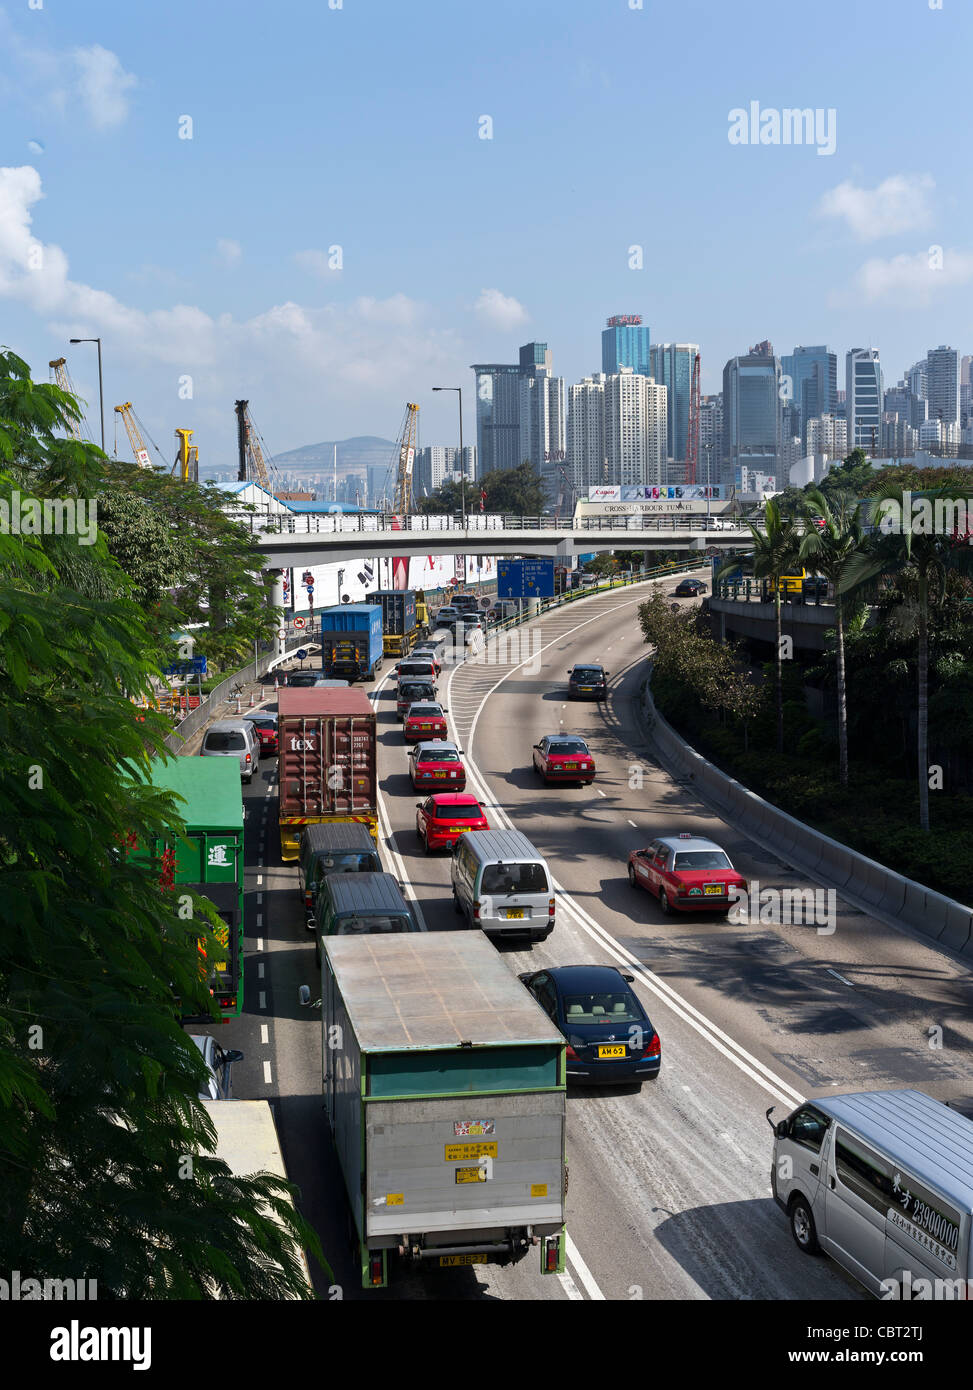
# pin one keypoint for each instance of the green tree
(516, 491)
(99, 1117)
(829, 550)
(904, 544)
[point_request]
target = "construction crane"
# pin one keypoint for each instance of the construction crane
(692, 444)
(133, 428)
(62, 377)
(186, 465)
(402, 462)
(252, 451)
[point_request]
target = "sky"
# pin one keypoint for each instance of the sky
(328, 207)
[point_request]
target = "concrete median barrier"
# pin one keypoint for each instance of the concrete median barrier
(861, 879)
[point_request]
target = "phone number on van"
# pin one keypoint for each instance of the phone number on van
(922, 1238)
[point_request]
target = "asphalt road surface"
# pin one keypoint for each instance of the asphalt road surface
(669, 1194)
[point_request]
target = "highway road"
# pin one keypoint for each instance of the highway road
(669, 1193)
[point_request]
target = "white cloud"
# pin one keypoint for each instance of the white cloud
(914, 279)
(314, 262)
(229, 251)
(101, 84)
(899, 204)
(500, 310)
(35, 147)
(398, 309)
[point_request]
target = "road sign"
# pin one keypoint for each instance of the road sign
(538, 578)
(300, 623)
(282, 632)
(712, 552)
(510, 579)
(301, 654)
(192, 666)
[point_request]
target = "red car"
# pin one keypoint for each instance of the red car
(442, 819)
(687, 874)
(265, 727)
(424, 721)
(564, 758)
(437, 763)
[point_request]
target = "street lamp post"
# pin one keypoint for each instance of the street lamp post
(101, 393)
(341, 575)
(462, 465)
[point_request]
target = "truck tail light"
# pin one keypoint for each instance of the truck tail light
(375, 1268)
(476, 911)
(654, 1047)
(550, 1254)
(550, 907)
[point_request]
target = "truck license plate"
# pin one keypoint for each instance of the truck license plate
(517, 912)
(613, 1051)
(451, 1260)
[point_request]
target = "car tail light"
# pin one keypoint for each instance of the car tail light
(653, 1048)
(308, 900)
(550, 907)
(476, 910)
(248, 757)
(570, 1053)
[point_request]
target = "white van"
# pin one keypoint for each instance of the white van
(502, 885)
(883, 1182)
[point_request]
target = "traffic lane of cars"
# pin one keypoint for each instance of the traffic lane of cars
(779, 988)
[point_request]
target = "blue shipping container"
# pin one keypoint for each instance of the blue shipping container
(359, 655)
(399, 610)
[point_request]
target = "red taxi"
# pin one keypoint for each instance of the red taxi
(687, 874)
(437, 763)
(564, 758)
(265, 727)
(442, 819)
(425, 720)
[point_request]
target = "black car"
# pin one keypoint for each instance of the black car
(306, 678)
(814, 586)
(689, 588)
(609, 1035)
(588, 683)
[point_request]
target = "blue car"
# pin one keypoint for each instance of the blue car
(609, 1035)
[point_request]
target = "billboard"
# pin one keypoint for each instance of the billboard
(656, 492)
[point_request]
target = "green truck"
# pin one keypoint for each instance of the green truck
(211, 863)
(444, 1085)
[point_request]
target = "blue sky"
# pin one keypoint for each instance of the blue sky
(359, 127)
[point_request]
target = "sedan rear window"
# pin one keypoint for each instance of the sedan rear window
(500, 880)
(422, 711)
(225, 743)
(448, 755)
(702, 859)
(568, 746)
(459, 813)
(380, 922)
(587, 674)
(415, 692)
(604, 1007)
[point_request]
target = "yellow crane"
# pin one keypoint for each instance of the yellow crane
(403, 460)
(62, 377)
(186, 465)
(133, 428)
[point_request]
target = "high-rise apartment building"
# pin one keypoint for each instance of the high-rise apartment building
(635, 428)
(827, 434)
(899, 439)
(901, 400)
(863, 399)
(437, 462)
(672, 367)
(542, 425)
(916, 378)
(709, 465)
(751, 414)
(942, 384)
(586, 461)
(626, 342)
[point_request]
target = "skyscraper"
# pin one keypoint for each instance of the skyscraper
(542, 425)
(942, 384)
(672, 367)
(497, 415)
(709, 468)
(751, 414)
(863, 399)
(635, 428)
(626, 342)
(900, 400)
(586, 462)
(809, 380)
(437, 462)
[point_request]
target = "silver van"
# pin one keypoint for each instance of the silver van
(233, 738)
(883, 1182)
(502, 885)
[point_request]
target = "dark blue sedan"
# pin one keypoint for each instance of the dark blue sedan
(609, 1035)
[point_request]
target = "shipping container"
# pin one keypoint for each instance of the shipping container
(352, 641)
(446, 1101)
(327, 764)
(400, 619)
(210, 860)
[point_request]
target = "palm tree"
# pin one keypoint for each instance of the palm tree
(927, 554)
(828, 550)
(775, 552)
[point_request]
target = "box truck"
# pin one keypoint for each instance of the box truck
(351, 641)
(327, 762)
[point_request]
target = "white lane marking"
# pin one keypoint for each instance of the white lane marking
(260, 919)
(265, 1033)
(584, 1273)
(600, 792)
(260, 879)
(398, 862)
(841, 978)
(261, 1000)
(267, 1076)
(260, 970)
(260, 863)
(633, 825)
(570, 1287)
(767, 1079)
(260, 943)
(260, 898)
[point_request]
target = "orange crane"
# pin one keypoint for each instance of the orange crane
(402, 461)
(62, 377)
(133, 428)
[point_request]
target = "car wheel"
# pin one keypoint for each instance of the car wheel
(664, 902)
(633, 882)
(802, 1225)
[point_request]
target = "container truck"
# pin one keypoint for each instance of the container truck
(405, 618)
(211, 863)
(351, 641)
(444, 1086)
(327, 764)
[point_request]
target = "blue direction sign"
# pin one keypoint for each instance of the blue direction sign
(301, 654)
(538, 578)
(192, 666)
(510, 579)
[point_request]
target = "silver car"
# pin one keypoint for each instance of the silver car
(233, 738)
(219, 1062)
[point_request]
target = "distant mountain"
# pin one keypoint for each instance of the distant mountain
(354, 455)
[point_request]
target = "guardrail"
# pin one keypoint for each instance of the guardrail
(275, 523)
(858, 878)
(762, 591)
